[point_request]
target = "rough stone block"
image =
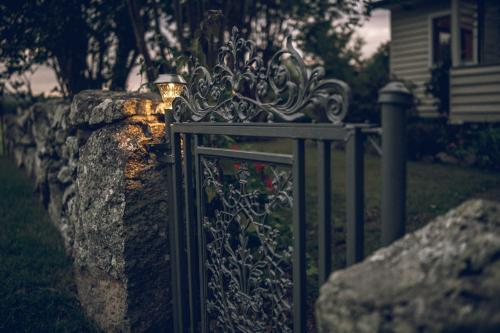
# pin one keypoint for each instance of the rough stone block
(94, 108)
(120, 247)
(444, 277)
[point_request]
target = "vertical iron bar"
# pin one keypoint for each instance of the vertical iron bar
(173, 250)
(299, 240)
(198, 140)
(191, 223)
(172, 226)
(324, 211)
(355, 197)
(179, 270)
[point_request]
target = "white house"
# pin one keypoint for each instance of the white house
(425, 31)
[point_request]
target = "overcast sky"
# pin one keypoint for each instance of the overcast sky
(375, 31)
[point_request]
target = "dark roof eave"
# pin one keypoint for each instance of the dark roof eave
(389, 4)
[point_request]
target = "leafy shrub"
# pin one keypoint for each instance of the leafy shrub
(8, 104)
(373, 75)
(426, 137)
(439, 86)
(477, 144)
(471, 144)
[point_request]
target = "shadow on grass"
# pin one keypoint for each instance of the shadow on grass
(37, 291)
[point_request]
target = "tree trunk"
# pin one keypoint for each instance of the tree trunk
(136, 21)
(126, 51)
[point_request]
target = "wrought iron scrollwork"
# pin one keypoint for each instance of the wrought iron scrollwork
(242, 88)
(248, 271)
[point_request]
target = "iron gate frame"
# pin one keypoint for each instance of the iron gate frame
(194, 115)
(187, 196)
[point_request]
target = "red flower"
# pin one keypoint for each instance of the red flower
(259, 166)
(237, 166)
(269, 182)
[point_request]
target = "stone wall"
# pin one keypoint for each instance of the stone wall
(105, 190)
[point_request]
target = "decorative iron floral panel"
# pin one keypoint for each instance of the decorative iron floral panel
(243, 88)
(248, 255)
(246, 214)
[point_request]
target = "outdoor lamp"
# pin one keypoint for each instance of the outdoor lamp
(170, 87)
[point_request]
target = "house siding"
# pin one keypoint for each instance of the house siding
(411, 50)
(475, 90)
(475, 94)
(492, 32)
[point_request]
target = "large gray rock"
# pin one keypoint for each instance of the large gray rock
(444, 277)
(121, 247)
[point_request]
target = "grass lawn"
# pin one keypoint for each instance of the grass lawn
(432, 190)
(37, 291)
(36, 281)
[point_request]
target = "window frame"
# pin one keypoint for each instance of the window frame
(430, 24)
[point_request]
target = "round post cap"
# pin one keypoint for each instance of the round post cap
(395, 92)
(169, 78)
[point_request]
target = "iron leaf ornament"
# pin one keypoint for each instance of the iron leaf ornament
(249, 282)
(242, 88)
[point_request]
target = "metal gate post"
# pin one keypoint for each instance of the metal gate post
(395, 100)
(176, 240)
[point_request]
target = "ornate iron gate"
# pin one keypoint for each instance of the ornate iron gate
(238, 265)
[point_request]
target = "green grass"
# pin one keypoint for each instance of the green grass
(37, 291)
(432, 189)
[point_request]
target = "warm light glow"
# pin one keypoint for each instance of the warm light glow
(169, 91)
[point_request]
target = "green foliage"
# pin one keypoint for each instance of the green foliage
(373, 75)
(8, 104)
(87, 43)
(438, 86)
(426, 137)
(433, 189)
(94, 44)
(332, 44)
(470, 144)
(266, 22)
(37, 289)
(331, 48)
(476, 144)
(488, 147)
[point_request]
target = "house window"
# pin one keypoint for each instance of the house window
(441, 39)
(468, 22)
(467, 45)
